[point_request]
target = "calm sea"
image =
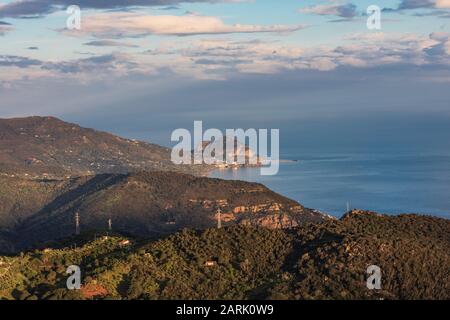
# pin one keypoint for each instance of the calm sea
(382, 182)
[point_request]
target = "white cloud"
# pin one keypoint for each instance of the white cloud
(117, 25)
(340, 10)
(4, 29)
(442, 4)
(441, 49)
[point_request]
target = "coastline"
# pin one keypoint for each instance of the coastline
(314, 185)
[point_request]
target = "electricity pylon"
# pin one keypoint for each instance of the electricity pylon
(77, 223)
(219, 218)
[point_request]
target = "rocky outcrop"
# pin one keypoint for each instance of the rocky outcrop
(231, 149)
(263, 207)
(273, 221)
(357, 212)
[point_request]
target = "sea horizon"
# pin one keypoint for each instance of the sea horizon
(401, 183)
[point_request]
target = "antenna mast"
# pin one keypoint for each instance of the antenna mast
(77, 223)
(219, 218)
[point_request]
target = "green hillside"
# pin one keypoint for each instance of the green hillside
(317, 260)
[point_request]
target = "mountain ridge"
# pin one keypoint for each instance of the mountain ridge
(148, 204)
(49, 147)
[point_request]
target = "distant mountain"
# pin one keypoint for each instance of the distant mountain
(313, 261)
(49, 147)
(147, 204)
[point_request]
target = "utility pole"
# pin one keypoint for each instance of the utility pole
(77, 223)
(348, 206)
(219, 218)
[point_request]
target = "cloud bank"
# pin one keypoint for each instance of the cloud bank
(33, 8)
(220, 59)
(417, 4)
(5, 27)
(341, 10)
(120, 25)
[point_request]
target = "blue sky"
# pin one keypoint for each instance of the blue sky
(142, 68)
(43, 32)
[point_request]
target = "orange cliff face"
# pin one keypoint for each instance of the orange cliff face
(274, 221)
(269, 214)
(266, 207)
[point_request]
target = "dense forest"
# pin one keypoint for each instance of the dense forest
(325, 260)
